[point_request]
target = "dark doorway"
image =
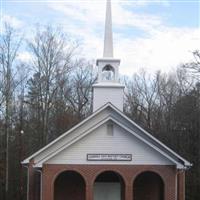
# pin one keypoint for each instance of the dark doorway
(148, 186)
(109, 186)
(69, 185)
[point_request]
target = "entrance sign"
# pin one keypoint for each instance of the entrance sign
(109, 157)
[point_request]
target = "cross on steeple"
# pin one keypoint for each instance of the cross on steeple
(108, 38)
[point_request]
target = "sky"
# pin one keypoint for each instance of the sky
(151, 34)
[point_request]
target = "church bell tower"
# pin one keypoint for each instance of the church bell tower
(108, 88)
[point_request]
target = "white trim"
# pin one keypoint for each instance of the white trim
(39, 164)
(107, 84)
(179, 165)
(145, 141)
(26, 161)
(187, 163)
(105, 60)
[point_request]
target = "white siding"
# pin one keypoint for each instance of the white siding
(103, 95)
(99, 142)
(69, 137)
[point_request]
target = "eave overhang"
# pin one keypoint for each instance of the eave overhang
(180, 162)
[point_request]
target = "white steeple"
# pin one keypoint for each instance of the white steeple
(108, 38)
(108, 88)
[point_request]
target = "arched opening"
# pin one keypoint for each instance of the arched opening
(69, 185)
(109, 185)
(148, 186)
(108, 73)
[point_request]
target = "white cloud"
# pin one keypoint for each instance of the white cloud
(92, 13)
(12, 21)
(24, 57)
(124, 17)
(163, 50)
(147, 2)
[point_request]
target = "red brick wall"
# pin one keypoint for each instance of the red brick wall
(34, 183)
(127, 172)
(181, 184)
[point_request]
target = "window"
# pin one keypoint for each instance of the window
(110, 129)
(108, 73)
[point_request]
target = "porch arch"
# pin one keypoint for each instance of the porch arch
(109, 185)
(148, 185)
(69, 185)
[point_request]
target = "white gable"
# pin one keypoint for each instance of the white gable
(100, 142)
(89, 137)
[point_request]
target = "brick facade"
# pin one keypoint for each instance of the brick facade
(173, 180)
(181, 184)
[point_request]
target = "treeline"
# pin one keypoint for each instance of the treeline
(168, 106)
(43, 98)
(39, 100)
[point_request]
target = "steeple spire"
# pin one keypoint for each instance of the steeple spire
(108, 38)
(108, 88)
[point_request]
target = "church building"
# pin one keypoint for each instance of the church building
(107, 156)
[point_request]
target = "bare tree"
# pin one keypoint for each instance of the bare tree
(79, 94)
(194, 66)
(9, 46)
(184, 80)
(167, 93)
(52, 53)
(143, 88)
